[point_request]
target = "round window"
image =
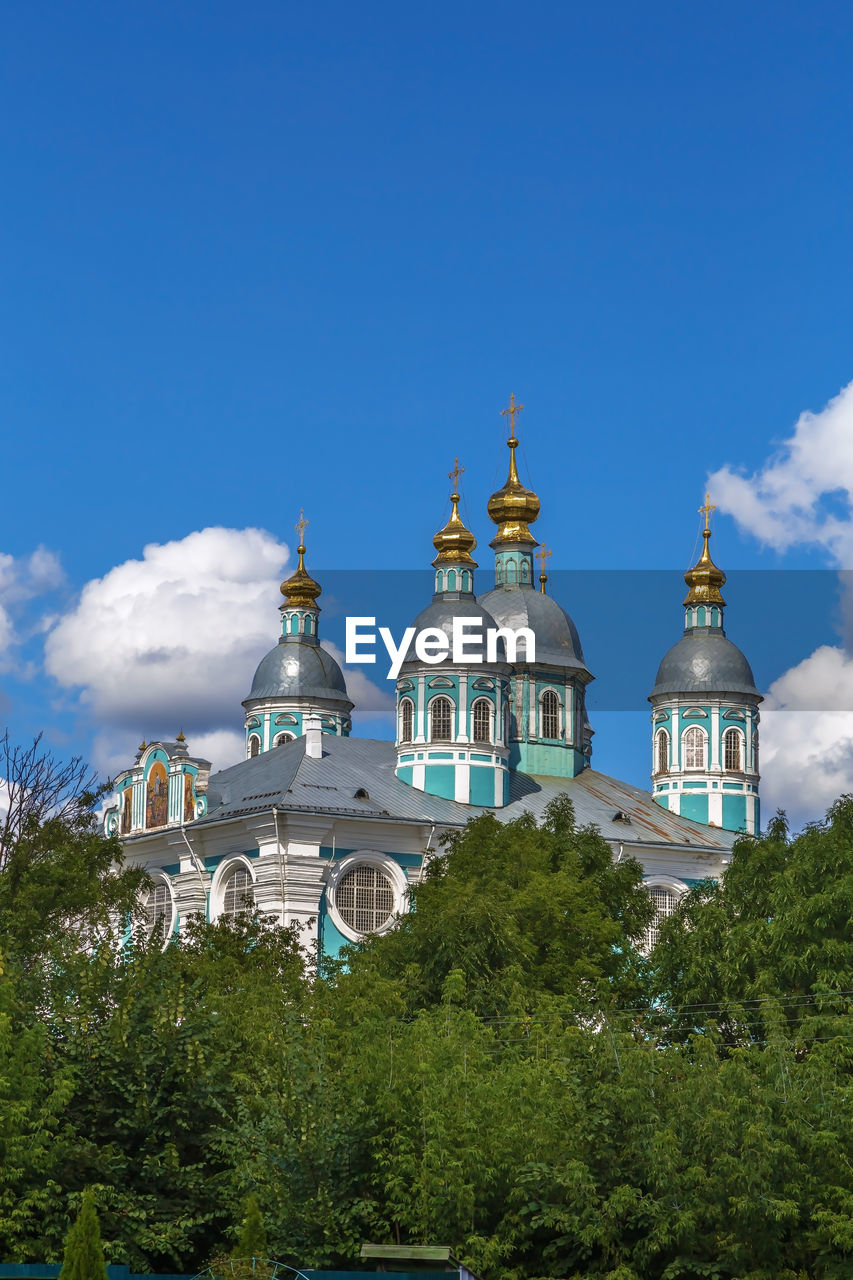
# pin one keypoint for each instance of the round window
(365, 899)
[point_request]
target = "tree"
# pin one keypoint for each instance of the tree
(63, 884)
(252, 1240)
(84, 1256)
(770, 943)
(523, 912)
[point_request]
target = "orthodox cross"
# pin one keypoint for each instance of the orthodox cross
(301, 525)
(455, 474)
(707, 509)
(510, 411)
(542, 555)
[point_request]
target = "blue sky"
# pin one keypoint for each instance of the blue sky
(266, 256)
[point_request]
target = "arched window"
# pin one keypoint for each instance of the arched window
(451, 579)
(665, 901)
(694, 748)
(466, 580)
(365, 899)
(662, 751)
(732, 754)
(158, 910)
(510, 571)
(550, 715)
(407, 720)
(281, 738)
(482, 717)
(157, 796)
(440, 720)
(254, 745)
(239, 894)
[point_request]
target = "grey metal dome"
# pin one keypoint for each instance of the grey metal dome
(704, 662)
(297, 670)
(440, 615)
(557, 640)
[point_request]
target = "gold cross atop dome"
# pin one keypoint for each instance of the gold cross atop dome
(705, 579)
(300, 589)
(513, 507)
(454, 543)
(510, 411)
(707, 509)
(543, 555)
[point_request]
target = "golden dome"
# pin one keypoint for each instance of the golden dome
(454, 543)
(705, 579)
(300, 590)
(513, 507)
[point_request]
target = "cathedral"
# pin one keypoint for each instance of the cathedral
(327, 832)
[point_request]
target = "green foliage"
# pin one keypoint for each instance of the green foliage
(84, 1257)
(523, 913)
(252, 1240)
(495, 1075)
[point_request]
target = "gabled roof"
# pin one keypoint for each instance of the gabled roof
(287, 779)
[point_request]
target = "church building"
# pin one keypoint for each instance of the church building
(327, 831)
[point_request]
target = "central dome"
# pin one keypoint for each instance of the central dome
(557, 640)
(299, 671)
(440, 614)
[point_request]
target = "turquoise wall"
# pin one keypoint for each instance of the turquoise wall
(695, 807)
(482, 789)
(734, 812)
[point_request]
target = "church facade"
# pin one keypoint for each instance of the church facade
(327, 831)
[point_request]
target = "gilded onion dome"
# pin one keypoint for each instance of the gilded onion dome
(454, 543)
(300, 589)
(704, 580)
(513, 507)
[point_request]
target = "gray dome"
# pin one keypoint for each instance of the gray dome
(704, 662)
(557, 640)
(440, 615)
(294, 669)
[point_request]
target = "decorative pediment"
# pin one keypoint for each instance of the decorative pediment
(482, 682)
(660, 715)
(286, 717)
(404, 686)
(253, 723)
(694, 713)
(441, 682)
(733, 715)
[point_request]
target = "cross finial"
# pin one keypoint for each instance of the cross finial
(510, 411)
(543, 555)
(301, 525)
(707, 509)
(455, 474)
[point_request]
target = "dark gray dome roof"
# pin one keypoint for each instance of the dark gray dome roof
(704, 662)
(294, 669)
(440, 615)
(557, 640)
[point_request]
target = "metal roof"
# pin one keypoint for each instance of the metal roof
(287, 779)
(704, 661)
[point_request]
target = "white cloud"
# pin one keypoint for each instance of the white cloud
(23, 578)
(789, 500)
(171, 639)
(803, 495)
(171, 642)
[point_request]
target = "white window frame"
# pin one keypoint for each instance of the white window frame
(741, 746)
(220, 879)
(560, 726)
(160, 877)
(411, 703)
(281, 738)
(694, 768)
(658, 881)
(453, 713)
(662, 732)
(382, 862)
(257, 736)
(488, 741)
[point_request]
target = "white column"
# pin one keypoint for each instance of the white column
(715, 738)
